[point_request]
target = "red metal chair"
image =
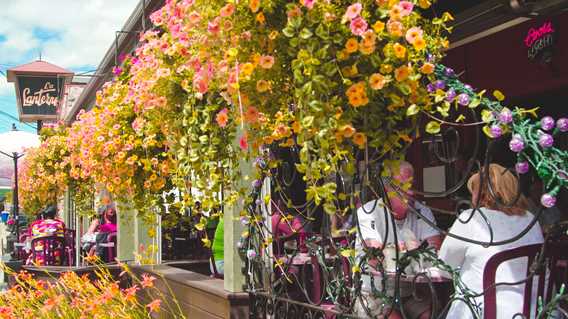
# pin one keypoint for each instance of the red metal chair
(550, 277)
(48, 251)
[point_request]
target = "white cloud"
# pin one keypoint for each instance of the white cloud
(79, 31)
(5, 87)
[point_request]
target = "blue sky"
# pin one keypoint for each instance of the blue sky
(73, 34)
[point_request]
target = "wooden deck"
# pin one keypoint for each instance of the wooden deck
(199, 295)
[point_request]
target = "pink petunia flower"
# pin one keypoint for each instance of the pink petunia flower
(358, 26)
(413, 33)
(227, 10)
(406, 7)
(353, 11)
(309, 4)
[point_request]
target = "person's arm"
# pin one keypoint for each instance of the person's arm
(453, 250)
(427, 232)
(93, 226)
(435, 241)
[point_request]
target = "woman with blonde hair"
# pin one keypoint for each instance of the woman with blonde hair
(500, 213)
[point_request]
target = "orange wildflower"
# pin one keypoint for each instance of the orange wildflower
(401, 73)
(154, 306)
(266, 61)
(377, 81)
(351, 45)
(254, 5)
(360, 139)
(427, 68)
(222, 118)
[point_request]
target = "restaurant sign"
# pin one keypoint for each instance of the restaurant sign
(39, 96)
(540, 41)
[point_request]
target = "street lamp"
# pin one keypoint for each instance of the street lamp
(12, 145)
(15, 207)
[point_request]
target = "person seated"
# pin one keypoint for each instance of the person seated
(107, 226)
(491, 221)
(48, 226)
(374, 219)
(284, 226)
(218, 248)
(99, 230)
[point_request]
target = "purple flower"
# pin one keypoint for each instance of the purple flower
(545, 140)
(562, 124)
(116, 70)
(506, 116)
(516, 144)
(256, 183)
(431, 88)
(259, 162)
(522, 167)
(496, 131)
(449, 72)
(258, 202)
(548, 200)
(251, 254)
(547, 123)
(463, 99)
(430, 57)
(245, 220)
(440, 85)
(450, 95)
(468, 87)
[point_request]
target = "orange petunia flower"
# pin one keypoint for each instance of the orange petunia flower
(360, 139)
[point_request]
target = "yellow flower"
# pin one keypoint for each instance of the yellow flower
(247, 68)
(254, 5)
(296, 127)
(350, 71)
(419, 44)
(351, 45)
(347, 130)
(395, 13)
(386, 68)
(369, 36)
(357, 95)
(377, 81)
(399, 50)
(401, 73)
(424, 4)
(342, 55)
(427, 68)
(273, 35)
(379, 26)
(360, 139)
(262, 86)
(260, 18)
(366, 48)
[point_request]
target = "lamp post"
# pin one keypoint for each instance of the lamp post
(15, 207)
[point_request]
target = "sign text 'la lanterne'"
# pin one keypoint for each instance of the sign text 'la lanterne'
(40, 96)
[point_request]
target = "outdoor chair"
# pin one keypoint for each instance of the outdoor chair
(20, 252)
(48, 251)
(110, 248)
(550, 277)
(70, 246)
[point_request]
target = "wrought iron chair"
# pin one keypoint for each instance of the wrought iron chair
(70, 246)
(20, 252)
(110, 245)
(48, 251)
(550, 277)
